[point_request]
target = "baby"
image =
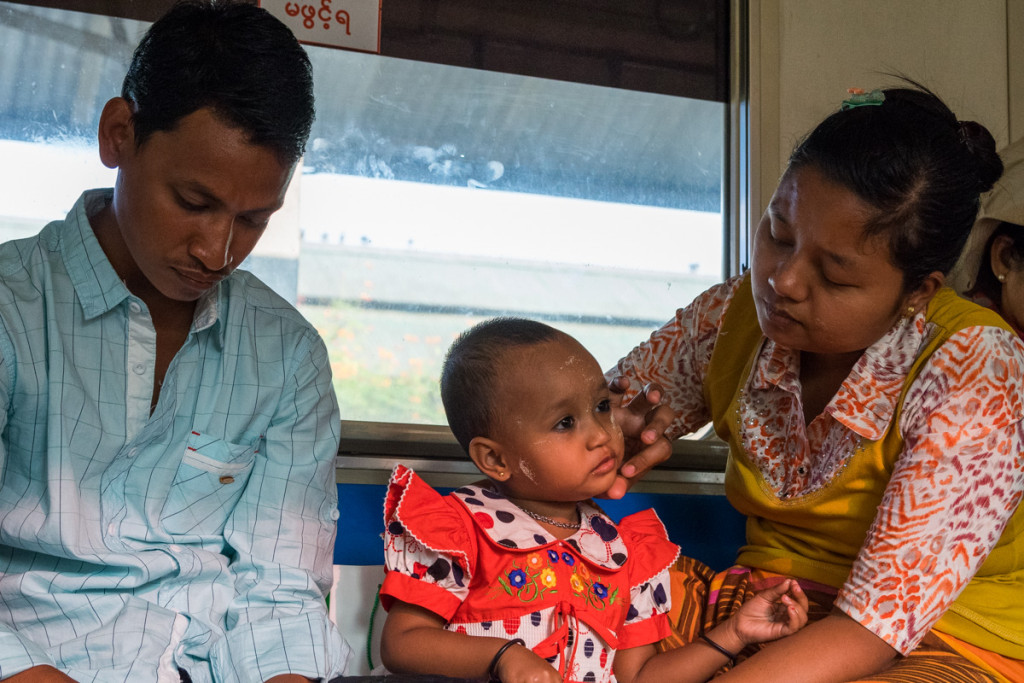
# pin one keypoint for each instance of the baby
(522, 577)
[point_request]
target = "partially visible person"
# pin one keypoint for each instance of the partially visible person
(873, 416)
(522, 577)
(169, 428)
(991, 270)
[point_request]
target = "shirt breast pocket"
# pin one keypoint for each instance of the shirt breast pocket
(208, 483)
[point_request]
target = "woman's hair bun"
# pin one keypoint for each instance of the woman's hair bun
(982, 148)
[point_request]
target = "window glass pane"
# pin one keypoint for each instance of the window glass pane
(430, 197)
(434, 196)
(57, 69)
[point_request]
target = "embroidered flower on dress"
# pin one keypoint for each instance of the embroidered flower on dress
(531, 583)
(517, 578)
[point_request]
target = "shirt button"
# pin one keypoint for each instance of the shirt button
(227, 479)
(133, 452)
(139, 368)
(111, 529)
(135, 307)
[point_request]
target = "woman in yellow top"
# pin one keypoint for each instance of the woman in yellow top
(873, 416)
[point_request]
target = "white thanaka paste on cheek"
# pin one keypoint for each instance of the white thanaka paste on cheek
(524, 467)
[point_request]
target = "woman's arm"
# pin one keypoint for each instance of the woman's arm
(661, 383)
(674, 360)
(414, 641)
(835, 648)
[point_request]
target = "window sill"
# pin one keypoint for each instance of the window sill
(369, 451)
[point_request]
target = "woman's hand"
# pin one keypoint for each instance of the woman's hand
(643, 421)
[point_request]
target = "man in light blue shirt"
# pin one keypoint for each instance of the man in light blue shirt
(169, 428)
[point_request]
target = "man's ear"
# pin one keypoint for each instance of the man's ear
(116, 131)
(489, 458)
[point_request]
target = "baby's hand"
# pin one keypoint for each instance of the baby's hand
(773, 613)
(521, 665)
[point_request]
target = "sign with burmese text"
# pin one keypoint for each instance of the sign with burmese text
(348, 24)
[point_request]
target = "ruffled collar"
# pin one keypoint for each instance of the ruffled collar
(598, 539)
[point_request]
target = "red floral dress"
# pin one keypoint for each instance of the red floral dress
(488, 569)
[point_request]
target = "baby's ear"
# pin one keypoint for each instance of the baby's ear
(489, 458)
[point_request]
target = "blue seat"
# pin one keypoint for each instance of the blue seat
(705, 527)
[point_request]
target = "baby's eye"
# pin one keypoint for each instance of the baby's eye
(565, 423)
(604, 405)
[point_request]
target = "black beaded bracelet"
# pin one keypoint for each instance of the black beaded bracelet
(731, 657)
(492, 673)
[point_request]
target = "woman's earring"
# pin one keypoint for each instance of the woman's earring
(1001, 277)
(907, 315)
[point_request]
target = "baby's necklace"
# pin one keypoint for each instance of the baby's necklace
(548, 520)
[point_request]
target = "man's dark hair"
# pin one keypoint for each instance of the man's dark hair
(469, 377)
(234, 58)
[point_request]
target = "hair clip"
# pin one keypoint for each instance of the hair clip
(859, 98)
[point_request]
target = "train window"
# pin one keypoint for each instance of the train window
(434, 192)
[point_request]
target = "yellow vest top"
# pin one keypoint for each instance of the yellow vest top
(818, 536)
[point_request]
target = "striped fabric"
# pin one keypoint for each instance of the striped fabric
(199, 536)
